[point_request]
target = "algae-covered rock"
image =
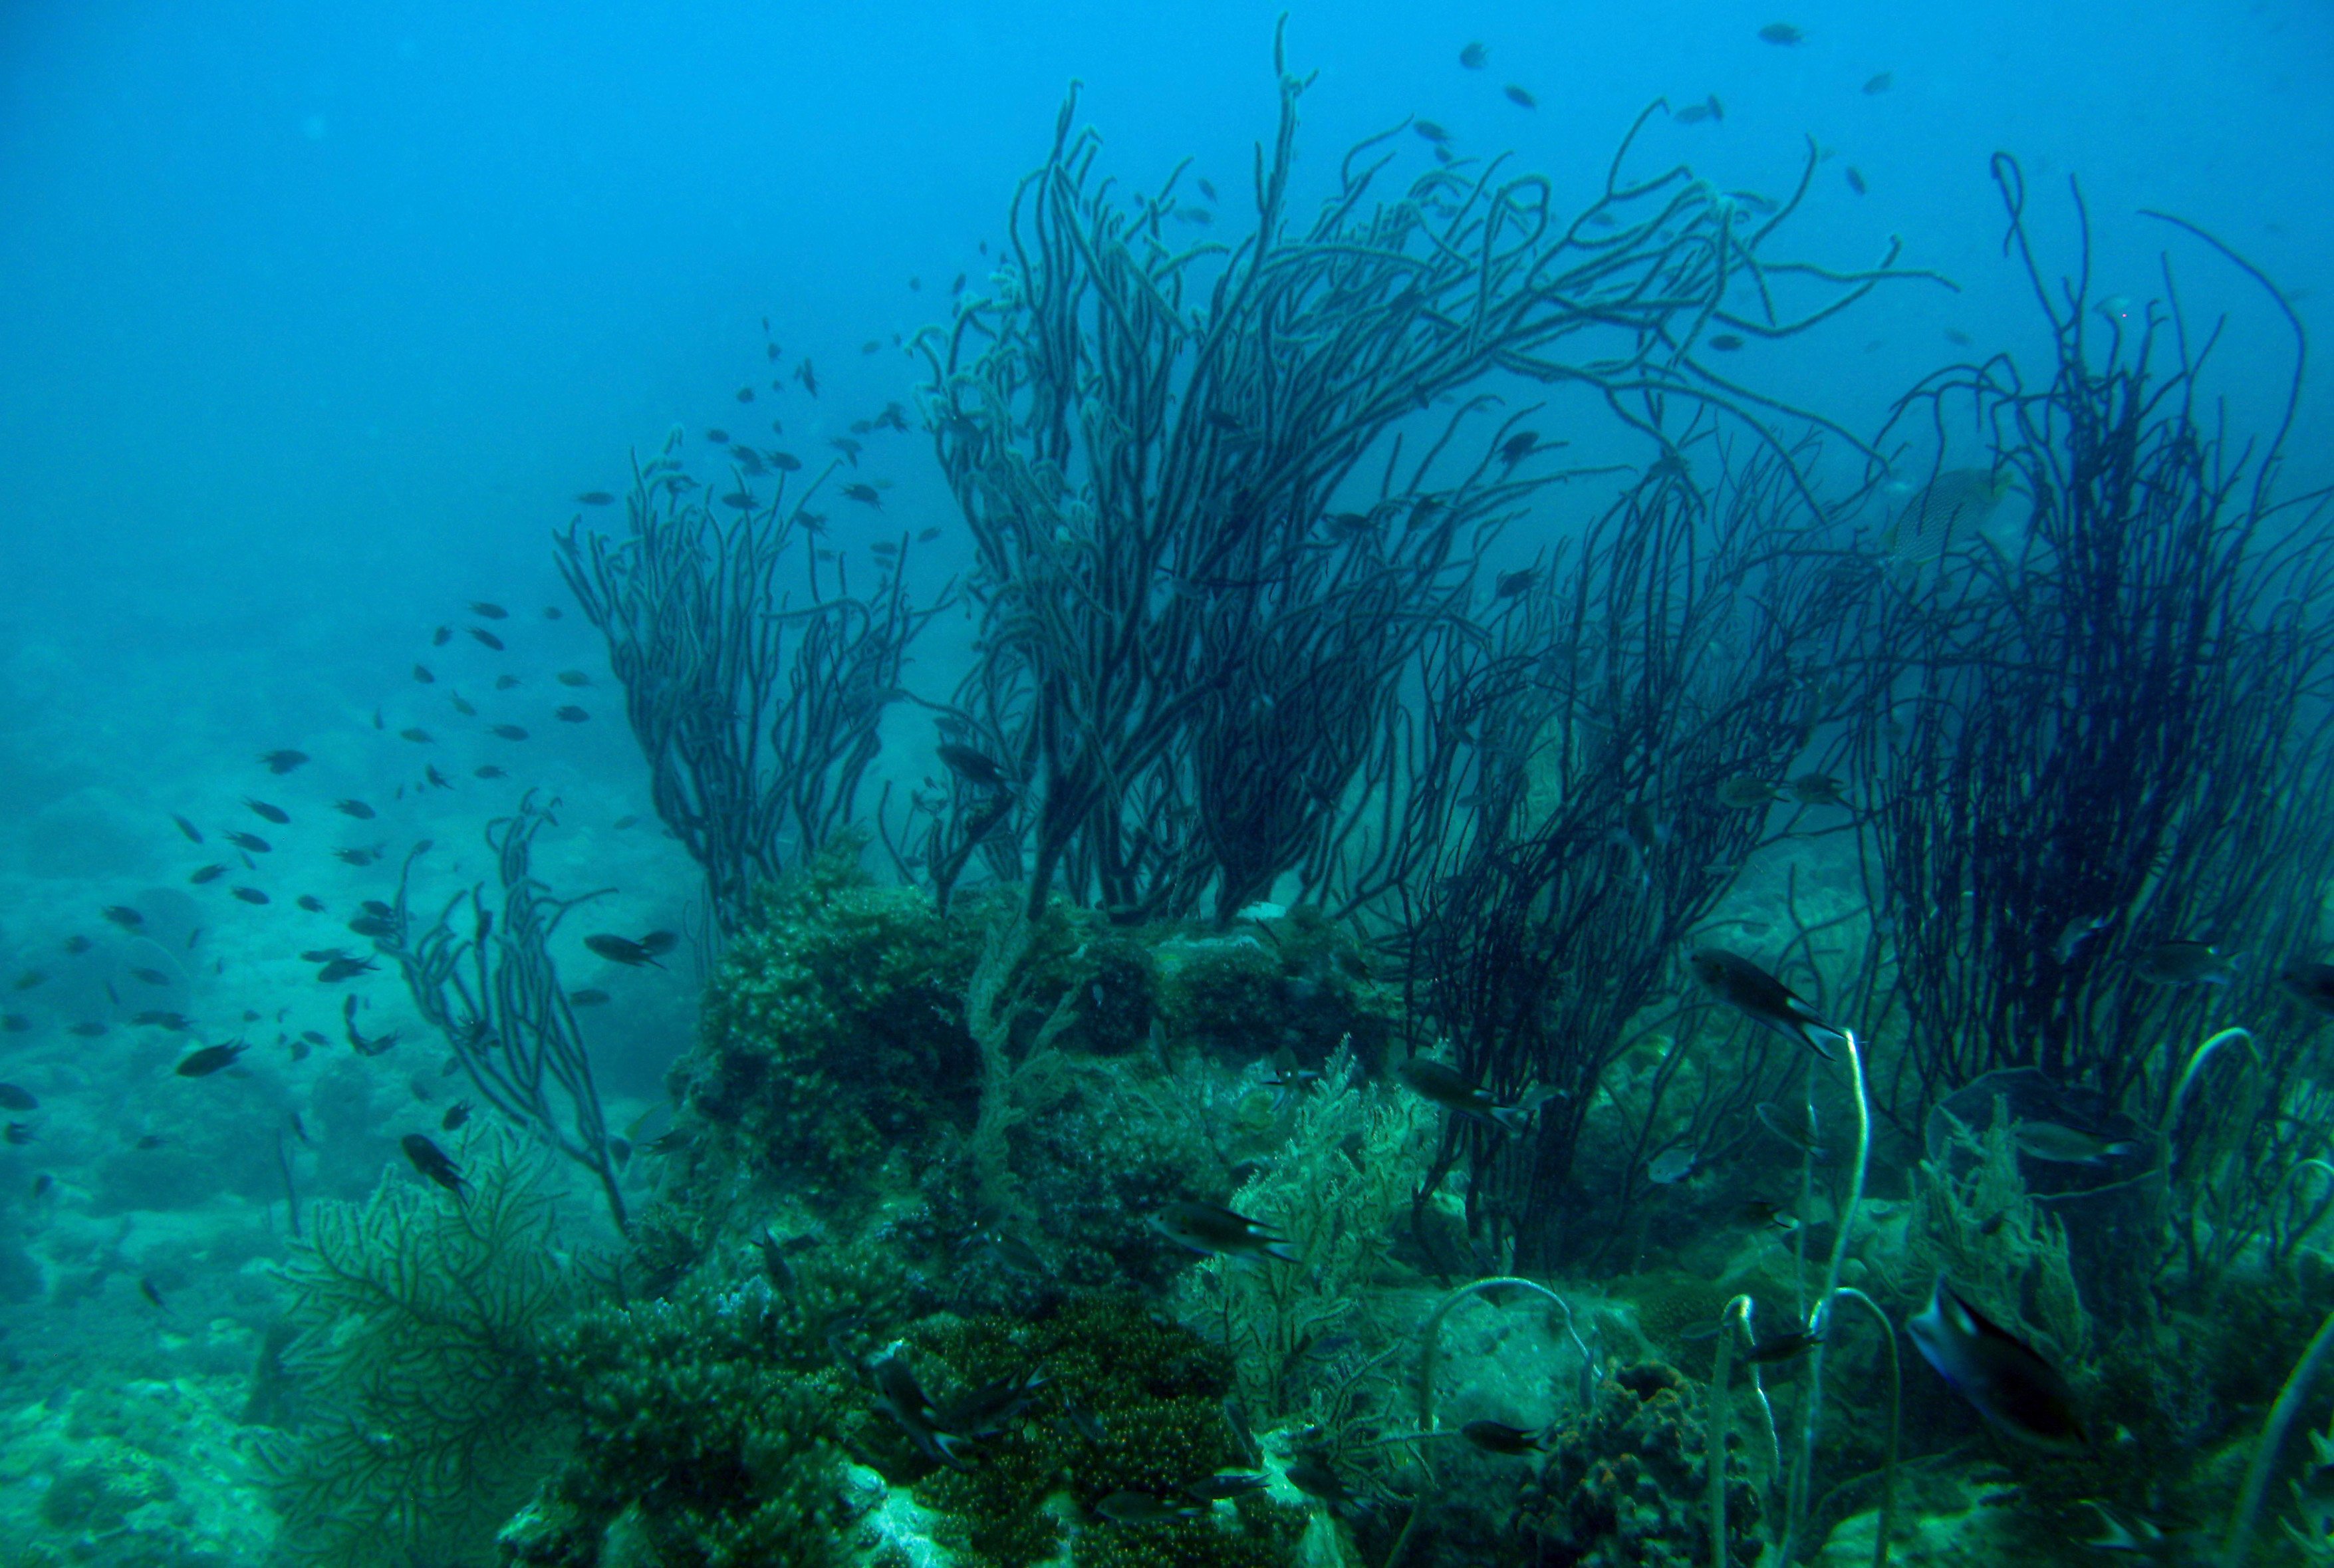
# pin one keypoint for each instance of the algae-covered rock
(1626, 1481)
(147, 1473)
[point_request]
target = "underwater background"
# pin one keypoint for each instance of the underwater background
(1238, 901)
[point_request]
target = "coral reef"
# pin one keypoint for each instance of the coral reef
(1626, 1480)
(834, 1033)
(423, 1318)
(1357, 1154)
(1130, 1403)
(707, 1433)
(146, 1474)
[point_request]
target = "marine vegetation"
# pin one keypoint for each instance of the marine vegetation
(424, 1335)
(756, 714)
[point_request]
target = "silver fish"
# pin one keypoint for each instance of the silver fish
(2011, 1386)
(1671, 1165)
(1451, 1089)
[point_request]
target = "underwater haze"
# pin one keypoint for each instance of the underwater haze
(999, 783)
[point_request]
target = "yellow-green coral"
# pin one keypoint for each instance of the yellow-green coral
(1150, 1395)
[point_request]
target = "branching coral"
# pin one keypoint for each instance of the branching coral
(423, 1320)
(1352, 1164)
(2005, 1255)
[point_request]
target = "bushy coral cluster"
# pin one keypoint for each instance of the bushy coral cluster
(835, 1032)
(1295, 979)
(1626, 1483)
(707, 1437)
(1129, 1403)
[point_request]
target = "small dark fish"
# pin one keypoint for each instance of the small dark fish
(1815, 789)
(77, 943)
(456, 1114)
(441, 638)
(373, 926)
(313, 1036)
(589, 996)
(417, 735)
(210, 1059)
(928, 535)
(595, 498)
(1226, 1485)
(250, 895)
(431, 1161)
(194, 834)
(552, 612)
(2311, 985)
(149, 1290)
(745, 394)
(1856, 179)
(340, 969)
(626, 820)
(28, 979)
(150, 976)
(485, 639)
(661, 942)
(1520, 97)
(1759, 1211)
(785, 462)
(2182, 963)
(1140, 1508)
(864, 495)
(210, 873)
(41, 1185)
(151, 1141)
(508, 732)
(504, 682)
(2022, 1395)
(249, 843)
(90, 1030)
(1958, 338)
(1708, 109)
(718, 438)
(571, 677)
(489, 771)
(1724, 343)
(1518, 447)
(462, 705)
(2055, 1144)
(1448, 1087)
(162, 1018)
(808, 377)
(357, 809)
(14, 1023)
(1474, 57)
(571, 714)
(1781, 1347)
(123, 916)
(1211, 1228)
(487, 611)
(376, 907)
(1763, 999)
(1498, 1437)
(1879, 84)
(283, 761)
(273, 813)
(323, 955)
(774, 1266)
(1782, 33)
(421, 675)
(1509, 584)
(972, 766)
(1432, 131)
(15, 1098)
(356, 857)
(622, 950)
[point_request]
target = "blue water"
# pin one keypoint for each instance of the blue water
(313, 318)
